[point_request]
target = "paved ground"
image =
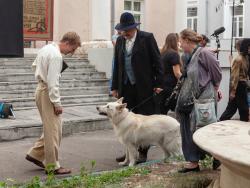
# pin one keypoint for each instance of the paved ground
(101, 146)
(76, 119)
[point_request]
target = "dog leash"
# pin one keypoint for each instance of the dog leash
(143, 102)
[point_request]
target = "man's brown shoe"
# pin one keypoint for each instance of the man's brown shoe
(60, 171)
(35, 161)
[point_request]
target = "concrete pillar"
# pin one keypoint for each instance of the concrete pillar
(101, 19)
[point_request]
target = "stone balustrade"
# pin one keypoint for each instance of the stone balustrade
(228, 141)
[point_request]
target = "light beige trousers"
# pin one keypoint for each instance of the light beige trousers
(46, 147)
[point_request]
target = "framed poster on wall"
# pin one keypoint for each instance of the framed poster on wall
(38, 20)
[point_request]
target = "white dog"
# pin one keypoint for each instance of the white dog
(134, 130)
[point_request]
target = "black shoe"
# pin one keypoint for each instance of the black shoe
(141, 160)
(216, 164)
(35, 161)
(120, 159)
(143, 154)
(185, 170)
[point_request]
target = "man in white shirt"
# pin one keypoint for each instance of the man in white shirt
(48, 67)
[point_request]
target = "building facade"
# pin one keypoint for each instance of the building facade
(95, 20)
(205, 16)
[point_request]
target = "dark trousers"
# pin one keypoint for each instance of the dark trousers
(130, 96)
(138, 106)
(239, 102)
(134, 101)
(190, 150)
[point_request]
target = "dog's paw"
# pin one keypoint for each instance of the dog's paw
(131, 164)
(124, 163)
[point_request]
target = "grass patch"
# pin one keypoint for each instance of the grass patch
(84, 180)
(207, 162)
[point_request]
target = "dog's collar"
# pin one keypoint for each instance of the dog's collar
(116, 123)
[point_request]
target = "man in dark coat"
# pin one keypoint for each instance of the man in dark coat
(137, 71)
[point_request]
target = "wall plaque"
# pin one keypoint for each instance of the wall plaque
(38, 19)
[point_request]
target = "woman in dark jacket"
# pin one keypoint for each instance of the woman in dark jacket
(171, 69)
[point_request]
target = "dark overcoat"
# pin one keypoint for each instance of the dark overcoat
(146, 66)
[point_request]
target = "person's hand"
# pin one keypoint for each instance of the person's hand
(58, 110)
(157, 90)
(231, 96)
(215, 50)
(219, 96)
(114, 93)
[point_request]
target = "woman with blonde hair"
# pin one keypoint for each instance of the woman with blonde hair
(171, 70)
(202, 76)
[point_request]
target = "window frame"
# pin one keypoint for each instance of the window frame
(192, 18)
(140, 13)
(237, 21)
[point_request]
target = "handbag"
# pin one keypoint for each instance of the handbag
(6, 110)
(171, 101)
(205, 112)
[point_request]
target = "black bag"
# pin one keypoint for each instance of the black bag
(6, 110)
(64, 66)
(186, 107)
(172, 99)
(171, 102)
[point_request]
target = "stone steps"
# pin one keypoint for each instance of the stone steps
(13, 77)
(76, 119)
(26, 85)
(85, 104)
(6, 94)
(72, 99)
(29, 61)
(81, 88)
(27, 69)
(79, 84)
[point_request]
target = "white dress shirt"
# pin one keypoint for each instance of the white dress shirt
(130, 43)
(47, 67)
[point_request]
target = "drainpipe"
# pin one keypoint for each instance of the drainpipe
(232, 28)
(112, 25)
(206, 18)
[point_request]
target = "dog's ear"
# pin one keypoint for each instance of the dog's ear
(120, 100)
(121, 107)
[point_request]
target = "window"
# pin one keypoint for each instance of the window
(135, 7)
(192, 18)
(238, 21)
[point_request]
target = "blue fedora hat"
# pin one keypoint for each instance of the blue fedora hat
(127, 21)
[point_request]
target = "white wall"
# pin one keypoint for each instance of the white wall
(215, 19)
(202, 26)
(180, 15)
(102, 59)
(246, 18)
(101, 19)
(71, 16)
